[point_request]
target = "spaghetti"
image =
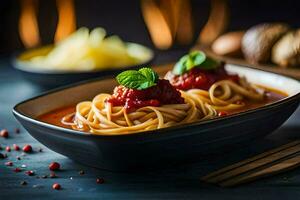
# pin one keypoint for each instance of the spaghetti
(100, 117)
(144, 102)
(226, 95)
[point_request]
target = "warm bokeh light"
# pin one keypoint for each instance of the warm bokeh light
(28, 26)
(185, 34)
(159, 30)
(168, 21)
(216, 24)
(66, 19)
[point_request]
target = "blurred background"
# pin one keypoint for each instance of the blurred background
(165, 25)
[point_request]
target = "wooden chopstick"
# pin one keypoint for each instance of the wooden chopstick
(256, 166)
(216, 173)
(285, 165)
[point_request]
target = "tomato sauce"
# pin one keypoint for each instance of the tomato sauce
(199, 78)
(54, 117)
(160, 94)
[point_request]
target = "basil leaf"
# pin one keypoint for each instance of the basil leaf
(198, 57)
(194, 59)
(142, 79)
(189, 64)
(179, 67)
(149, 74)
(145, 85)
(131, 79)
(209, 64)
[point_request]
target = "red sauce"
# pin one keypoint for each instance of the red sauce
(200, 79)
(55, 116)
(162, 93)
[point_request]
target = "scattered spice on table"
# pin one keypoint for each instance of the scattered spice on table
(56, 186)
(9, 163)
(30, 173)
(99, 180)
(4, 133)
(16, 147)
(17, 170)
(54, 166)
(27, 148)
(8, 149)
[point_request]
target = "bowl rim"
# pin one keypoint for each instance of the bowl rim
(149, 133)
(25, 67)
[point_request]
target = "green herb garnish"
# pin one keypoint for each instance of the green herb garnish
(194, 59)
(141, 79)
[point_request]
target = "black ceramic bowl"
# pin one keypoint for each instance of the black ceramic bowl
(158, 147)
(53, 78)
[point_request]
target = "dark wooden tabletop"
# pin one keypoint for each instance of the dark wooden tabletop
(180, 182)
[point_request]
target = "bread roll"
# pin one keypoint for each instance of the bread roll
(258, 41)
(228, 44)
(286, 52)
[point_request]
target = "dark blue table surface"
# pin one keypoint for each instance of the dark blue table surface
(181, 182)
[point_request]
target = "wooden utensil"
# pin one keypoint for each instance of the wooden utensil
(275, 161)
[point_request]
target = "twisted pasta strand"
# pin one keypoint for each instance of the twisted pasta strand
(102, 118)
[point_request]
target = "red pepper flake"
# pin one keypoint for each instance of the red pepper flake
(29, 173)
(52, 175)
(56, 186)
(27, 148)
(17, 130)
(81, 172)
(54, 166)
(99, 180)
(17, 170)
(16, 147)
(9, 163)
(222, 114)
(23, 183)
(8, 149)
(4, 133)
